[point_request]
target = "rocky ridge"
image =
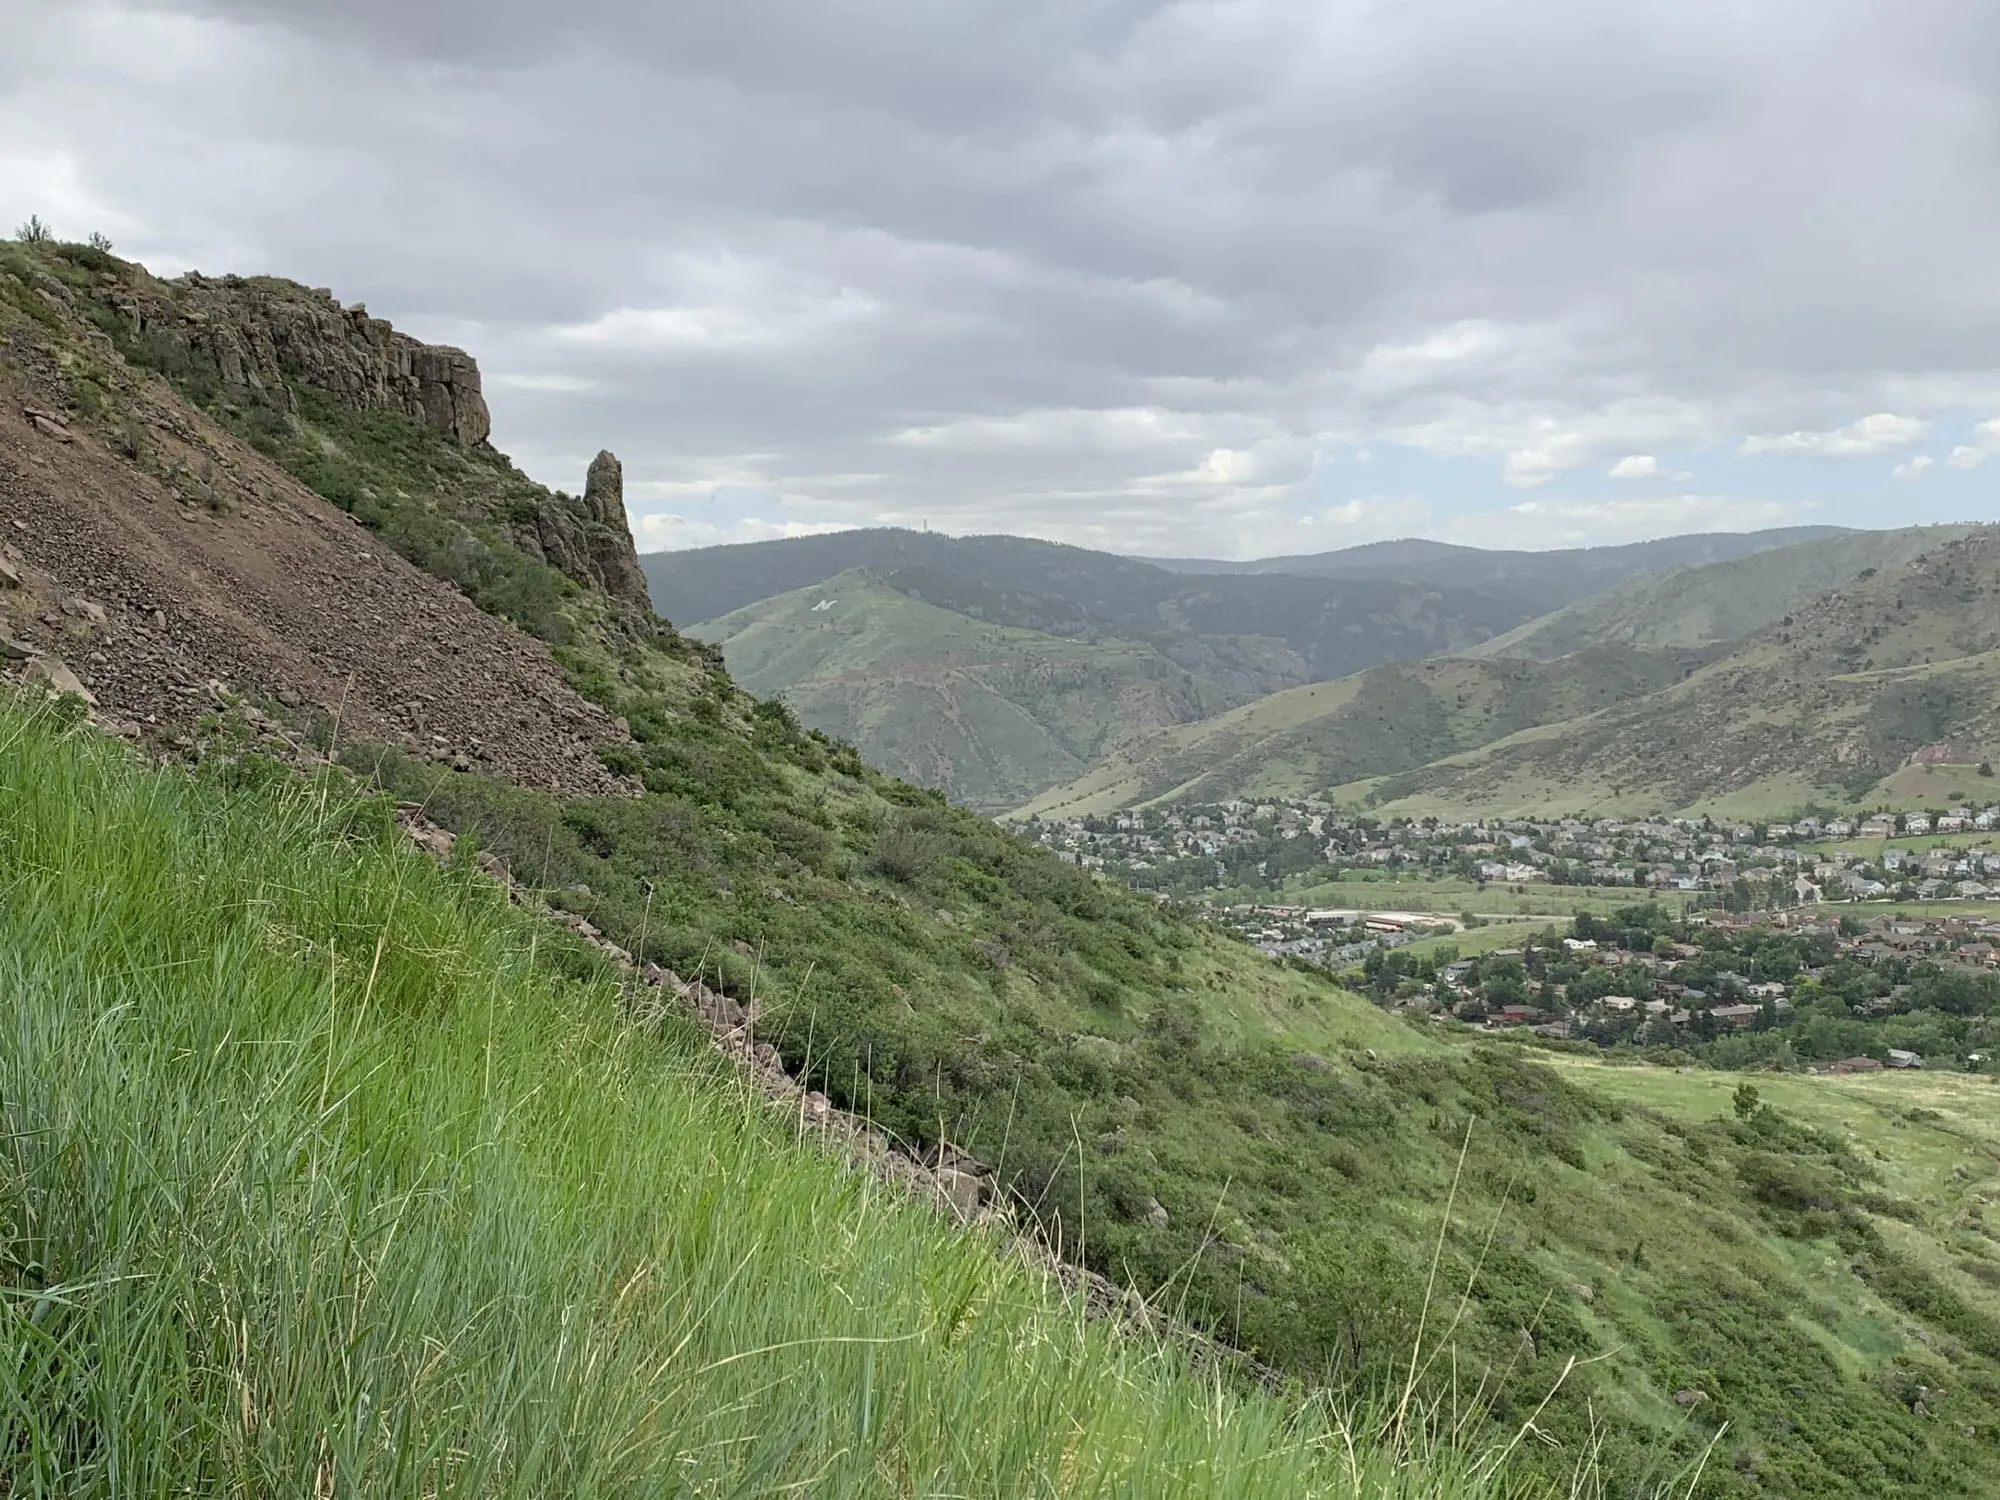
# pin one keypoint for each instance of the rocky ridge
(154, 586)
(269, 341)
(265, 334)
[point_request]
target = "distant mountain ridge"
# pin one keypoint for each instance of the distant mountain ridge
(981, 728)
(703, 583)
(1900, 667)
(1247, 635)
(1577, 571)
(1723, 601)
(1816, 672)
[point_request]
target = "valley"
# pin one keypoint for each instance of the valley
(1415, 1238)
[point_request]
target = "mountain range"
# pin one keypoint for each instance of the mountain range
(1016, 673)
(1211, 637)
(1640, 699)
(1560, 574)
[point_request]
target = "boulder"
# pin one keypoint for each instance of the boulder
(55, 674)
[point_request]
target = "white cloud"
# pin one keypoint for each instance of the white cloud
(1863, 439)
(1987, 435)
(663, 531)
(552, 382)
(1643, 466)
(1366, 518)
(1105, 430)
(1914, 468)
(1535, 446)
(1963, 457)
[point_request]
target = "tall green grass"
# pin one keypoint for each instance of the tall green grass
(322, 1175)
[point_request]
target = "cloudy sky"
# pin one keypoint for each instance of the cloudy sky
(1232, 277)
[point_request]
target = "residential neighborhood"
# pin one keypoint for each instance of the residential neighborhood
(1263, 846)
(1804, 988)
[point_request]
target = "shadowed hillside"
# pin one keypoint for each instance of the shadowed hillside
(990, 712)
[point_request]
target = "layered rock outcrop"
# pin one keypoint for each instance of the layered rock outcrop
(264, 334)
(267, 337)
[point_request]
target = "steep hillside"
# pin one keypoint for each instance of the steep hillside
(1249, 636)
(988, 713)
(1560, 576)
(560, 1252)
(1899, 666)
(1389, 719)
(1723, 601)
(1263, 1152)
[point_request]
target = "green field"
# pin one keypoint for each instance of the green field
(1934, 1136)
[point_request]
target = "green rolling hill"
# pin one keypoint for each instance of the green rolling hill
(989, 712)
(1830, 703)
(1388, 719)
(1722, 601)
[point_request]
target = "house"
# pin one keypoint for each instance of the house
(1619, 1003)
(1736, 1016)
(1901, 1059)
(1853, 1065)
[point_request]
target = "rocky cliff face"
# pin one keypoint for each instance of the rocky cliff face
(266, 338)
(264, 334)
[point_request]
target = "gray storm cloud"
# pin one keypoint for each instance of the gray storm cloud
(1114, 270)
